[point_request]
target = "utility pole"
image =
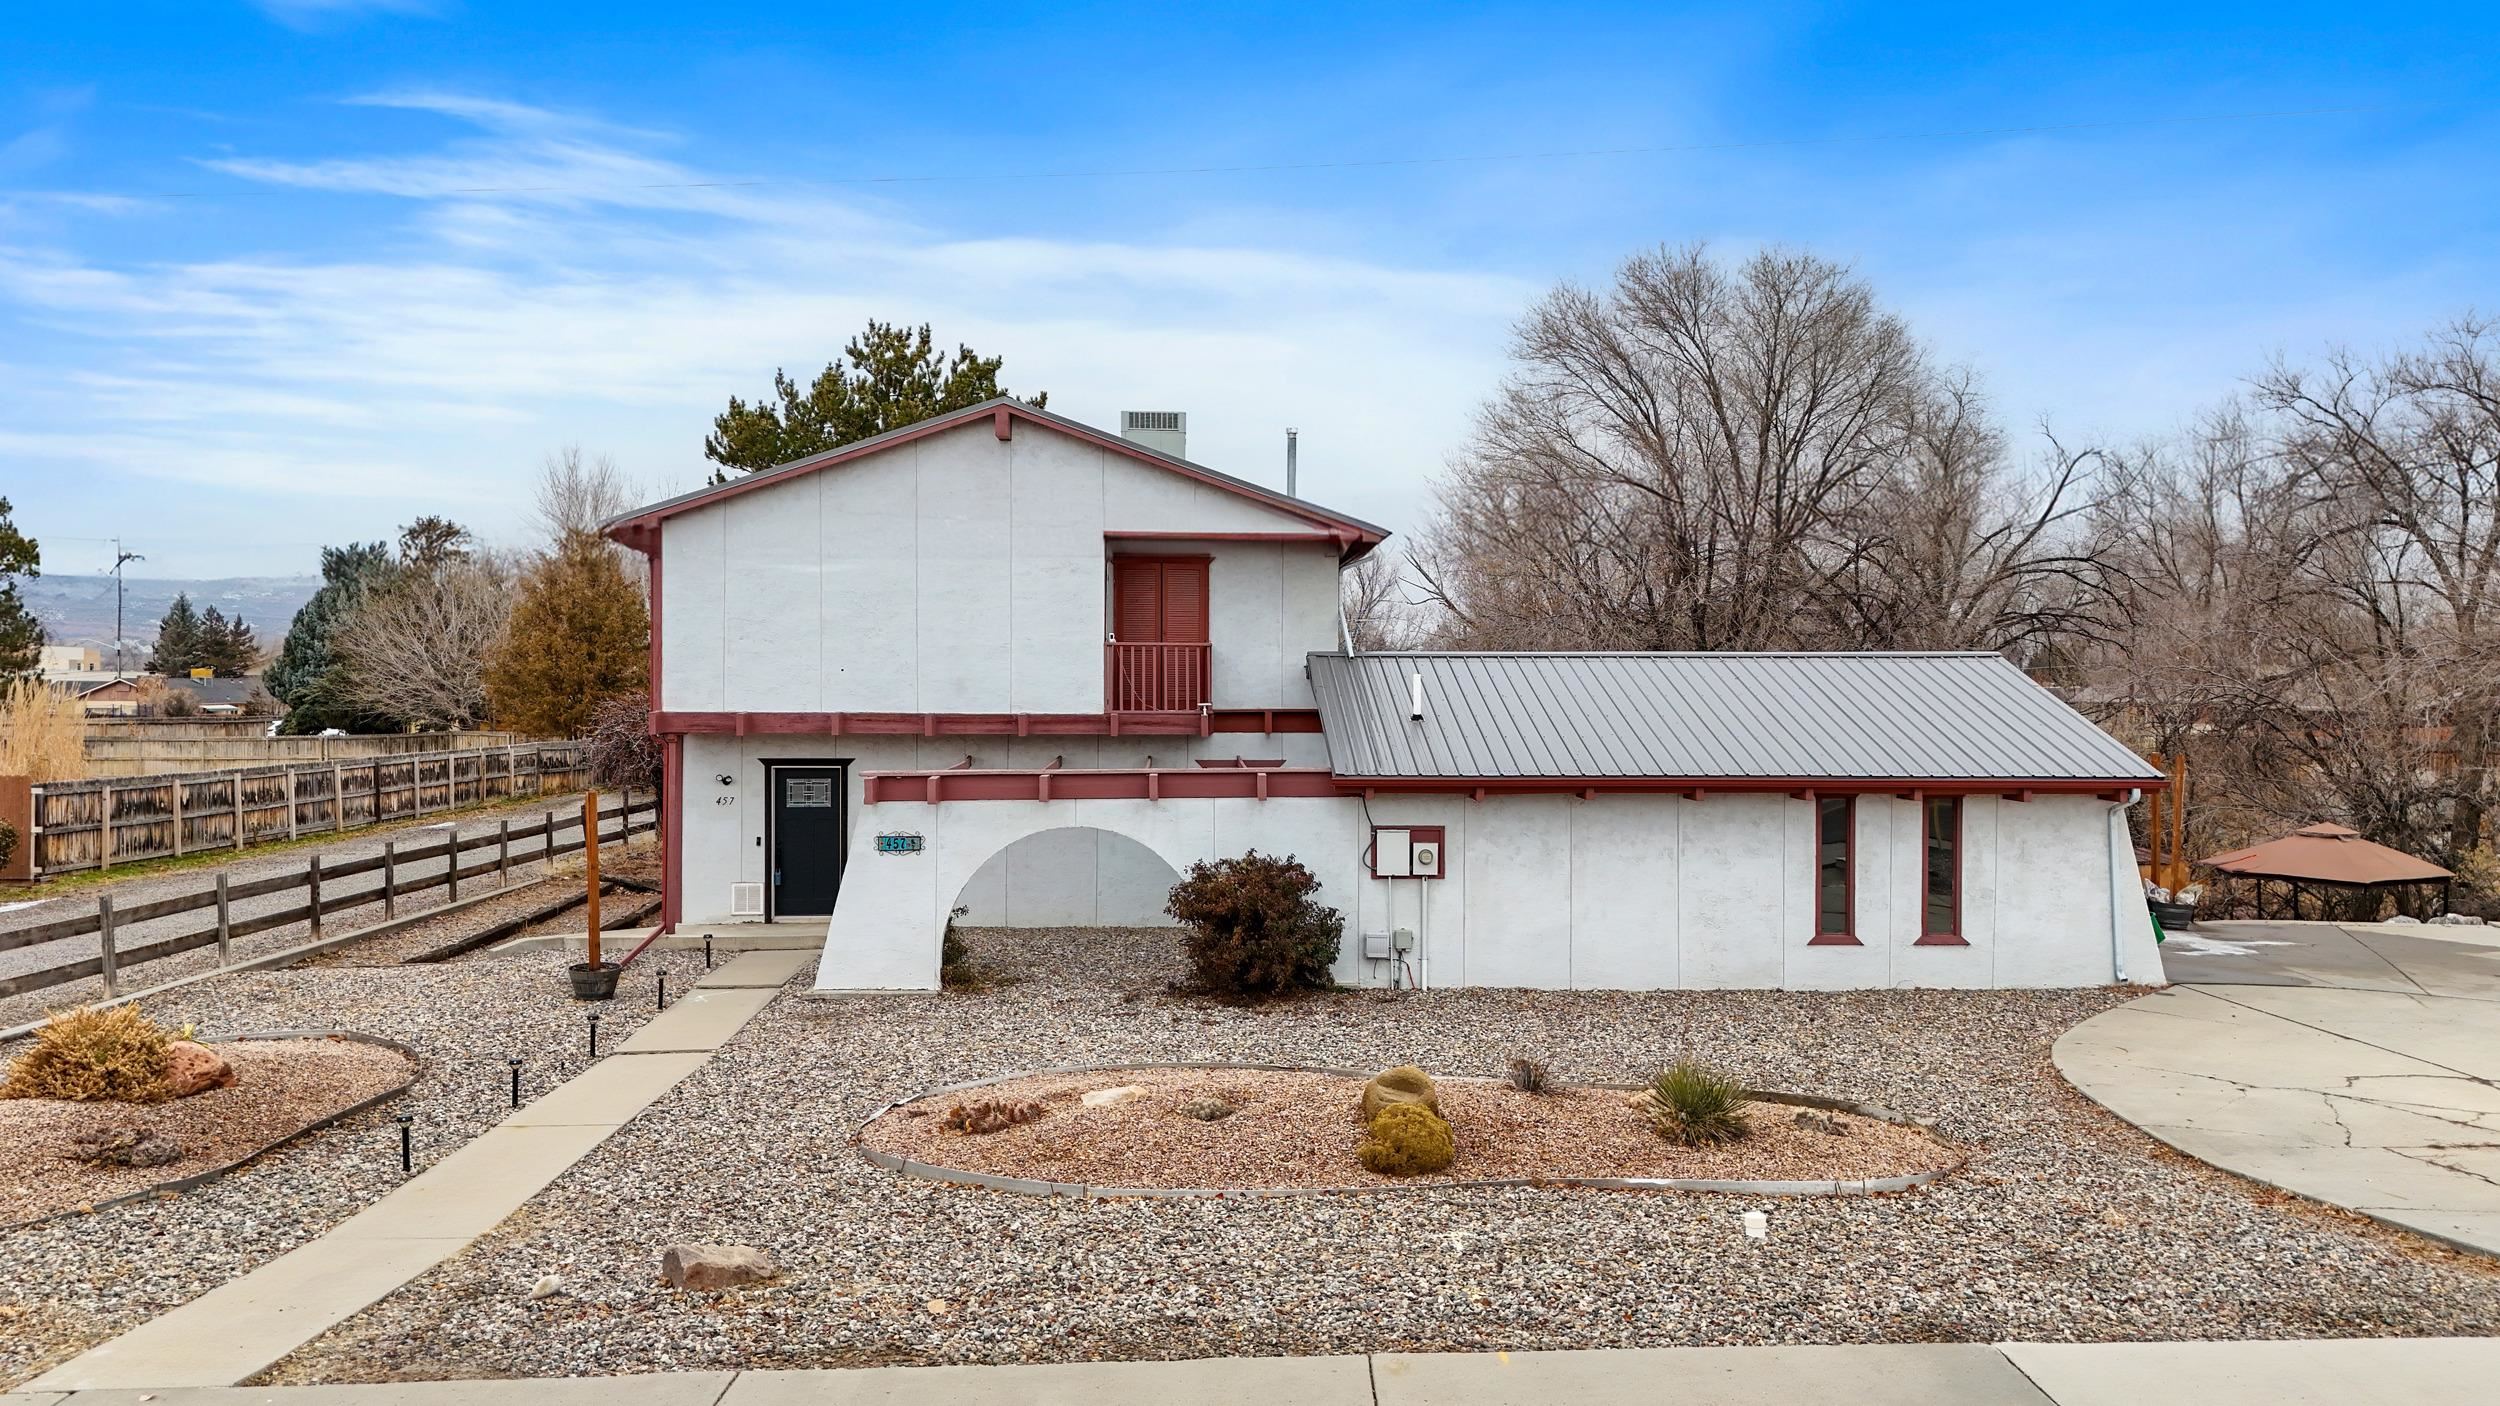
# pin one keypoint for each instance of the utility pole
(120, 559)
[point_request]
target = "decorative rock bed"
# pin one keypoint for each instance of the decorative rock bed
(1294, 1130)
(288, 1083)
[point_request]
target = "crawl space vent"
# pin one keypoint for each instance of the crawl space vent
(746, 900)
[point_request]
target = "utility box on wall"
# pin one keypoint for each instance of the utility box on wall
(1409, 852)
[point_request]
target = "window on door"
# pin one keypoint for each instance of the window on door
(1940, 917)
(1835, 884)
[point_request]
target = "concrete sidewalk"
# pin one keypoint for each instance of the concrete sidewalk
(242, 1326)
(2418, 1371)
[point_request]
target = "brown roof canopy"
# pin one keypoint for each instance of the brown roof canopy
(2328, 854)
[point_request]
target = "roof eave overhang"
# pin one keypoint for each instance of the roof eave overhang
(640, 529)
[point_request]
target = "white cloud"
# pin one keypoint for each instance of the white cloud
(316, 14)
(618, 303)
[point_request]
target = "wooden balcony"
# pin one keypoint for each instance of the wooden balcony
(1156, 678)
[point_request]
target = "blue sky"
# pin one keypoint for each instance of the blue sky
(291, 272)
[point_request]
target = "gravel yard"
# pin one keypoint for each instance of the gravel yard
(1300, 1130)
(281, 1087)
(75, 1281)
(2066, 1224)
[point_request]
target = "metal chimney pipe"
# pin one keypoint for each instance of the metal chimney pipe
(1293, 445)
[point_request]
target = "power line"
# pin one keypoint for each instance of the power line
(1377, 163)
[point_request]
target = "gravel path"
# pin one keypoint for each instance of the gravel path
(72, 1283)
(2066, 1224)
(33, 1005)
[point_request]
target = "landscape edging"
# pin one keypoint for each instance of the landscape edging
(1030, 1186)
(416, 1066)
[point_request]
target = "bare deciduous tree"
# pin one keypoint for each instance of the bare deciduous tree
(577, 492)
(416, 649)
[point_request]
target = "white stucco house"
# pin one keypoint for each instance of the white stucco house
(1003, 662)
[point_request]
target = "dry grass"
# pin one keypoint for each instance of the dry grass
(43, 734)
(86, 1055)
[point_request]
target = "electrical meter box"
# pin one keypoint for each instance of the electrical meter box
(1409, 852)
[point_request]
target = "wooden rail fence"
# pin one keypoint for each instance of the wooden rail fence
(538, 839)
(79, 825)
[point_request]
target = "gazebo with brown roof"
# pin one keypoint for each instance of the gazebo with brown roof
(2329, 856)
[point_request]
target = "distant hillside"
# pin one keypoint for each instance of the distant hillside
(79, 609)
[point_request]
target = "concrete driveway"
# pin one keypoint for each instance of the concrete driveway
(2357, 1065)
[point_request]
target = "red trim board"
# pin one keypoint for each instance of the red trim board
(1189, 724)
(1130, 784)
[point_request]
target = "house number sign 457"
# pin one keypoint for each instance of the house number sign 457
(898, 844)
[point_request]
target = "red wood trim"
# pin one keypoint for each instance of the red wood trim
(1140, 783)
(651, 663)
(672, 837)
(1192, 723)
(1833, 939)
(638, 528)
(1001, 425)
(1477, 794)
(1240, 761)
(1113, 534)
(1698, 788)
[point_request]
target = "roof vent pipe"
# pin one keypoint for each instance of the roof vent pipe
(1293, 444)
(1415, 696)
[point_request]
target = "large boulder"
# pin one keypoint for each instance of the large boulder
(194, 1068)
(706, 1269)
(1404, 1084)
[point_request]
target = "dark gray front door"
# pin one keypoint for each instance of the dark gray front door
(807, 839)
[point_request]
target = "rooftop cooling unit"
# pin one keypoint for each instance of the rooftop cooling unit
(1163, 431)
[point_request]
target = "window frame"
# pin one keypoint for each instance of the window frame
(1847, 935)
(1948, 937)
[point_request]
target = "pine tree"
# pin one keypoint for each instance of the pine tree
(308, 675)
(577, 638)
(178, 639)
(892, 376)
(226, 646)
(21, 634)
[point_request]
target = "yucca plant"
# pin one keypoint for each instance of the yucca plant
(1695, 1105)
(1531, 1076)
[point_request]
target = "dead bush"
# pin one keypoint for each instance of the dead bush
(87, 1055)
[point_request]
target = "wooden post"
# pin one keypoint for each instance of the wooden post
(625, 816)
(451, 861)
(338, 799)
(290, 802)
(390, 879)
(104, 936)
(175, 788)
(503, 852)
(547, 842)
(238, 810)
(312, 880)
(225, 924)
(104, 836)
(590, 847)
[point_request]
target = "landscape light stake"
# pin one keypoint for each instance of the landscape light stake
(407, 1144)
(515, 1062)
(594, 1034)
(660, 1001)
(707, 951)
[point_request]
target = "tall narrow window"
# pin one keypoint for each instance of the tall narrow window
(1835, 896)
(1940, 918)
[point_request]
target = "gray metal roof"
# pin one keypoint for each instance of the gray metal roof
(1706, 717)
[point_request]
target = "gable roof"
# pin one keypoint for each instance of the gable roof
(639, 529)
(1761, 719)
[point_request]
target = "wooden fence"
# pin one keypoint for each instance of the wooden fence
(509, 844)
(155, 747)
(79, 825)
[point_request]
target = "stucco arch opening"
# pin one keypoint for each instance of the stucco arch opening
(1069, 876)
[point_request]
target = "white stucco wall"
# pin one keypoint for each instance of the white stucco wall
(962, 573)
(1557, 892)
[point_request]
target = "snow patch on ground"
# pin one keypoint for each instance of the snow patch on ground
(2196, 945)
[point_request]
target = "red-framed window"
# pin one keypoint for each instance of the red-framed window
(1835, 872)
(1940, 889)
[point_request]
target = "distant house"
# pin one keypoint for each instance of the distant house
(130, 695)
(60, 659)
(1006, 664)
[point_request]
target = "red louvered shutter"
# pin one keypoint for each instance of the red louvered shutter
(1136, 601)
(1185, 602)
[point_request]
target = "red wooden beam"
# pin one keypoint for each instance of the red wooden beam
(1191, 723)
(1139, 783)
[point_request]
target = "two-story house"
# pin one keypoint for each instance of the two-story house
(1003, 663)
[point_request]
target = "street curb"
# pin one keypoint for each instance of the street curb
(1027, 1186)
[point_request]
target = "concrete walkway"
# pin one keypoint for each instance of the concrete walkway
(2418, 1371)
(2355, 1066)
(237, 1329)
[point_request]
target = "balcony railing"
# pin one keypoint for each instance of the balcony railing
(1156, 678)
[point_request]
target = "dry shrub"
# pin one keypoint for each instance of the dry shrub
(619, 745)
(990, 1115)
(87, 1055)
(1254, 929)
(1531, 1076)
(1407, 1139)
(43, 734)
